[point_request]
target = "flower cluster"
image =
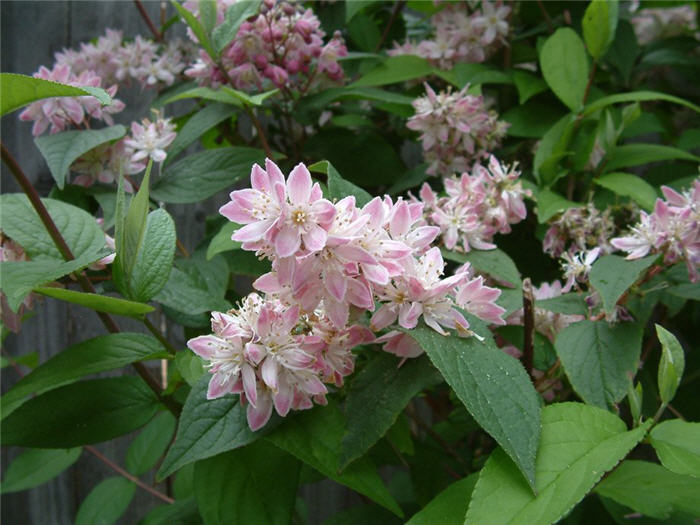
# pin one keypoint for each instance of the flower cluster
(63, 112)
(459, 37)
(673, 229)
(330, 263)
(456, 129)
(656, 23)
(477, 206)
(283, 45)
(578, 229)
(115, 60)
(127, 156)
(11, 251)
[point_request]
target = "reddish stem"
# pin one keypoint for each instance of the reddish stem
(144, 14)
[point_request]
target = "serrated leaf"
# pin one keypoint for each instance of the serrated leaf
(315, 437)
(494, 387)
(222, 242)
(255, 484)
(197, 125)
(21, 223)
(60, 150)
(99, 354)
(600, 360)
(81, 414)
(154, 259)
(395, 69)
(677, 444)
(612, 275)
(338, 187)
(236, 14)
(495, 263)
(20, 90)
(36, 466)
(206, 428)
(565, 66)
(579, 444)
(387, 389)
(201, 175)
(99, 303)
(151, 443)
(599, 26)
(448, 507)
(652, 490)
(106, 502)
(628, 185)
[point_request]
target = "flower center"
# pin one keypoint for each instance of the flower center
(299, 217)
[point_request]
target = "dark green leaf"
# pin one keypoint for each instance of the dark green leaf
(677, 444)
(222, 242)
(338, 187)
(201, 175)
(550, 203)
(99, 303)
(151, 443)
(652, 490)
(320, 101)
(206, 428)
(565, 66)
(411, 179)
(532, 120)
(449, 507)
(182, 512)
(36, 466)
(81, 414)
(106, 502)
(612, 275)
(20, 90)
(387, 389)
(632, 186)
(235, 16)
(62, 149)
(528, 85)
(600, 360)
(579, 444)
(395, 69)
(197, 125)
(197, 29)
(637, 154)
(314, 436)
(475, 74)
(494, 387)
(495, 263)
(255, 484)
(190, 366)
(570, 303)
(636, 96)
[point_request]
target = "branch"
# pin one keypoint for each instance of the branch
(144, 14)
(398, 6)
(528, 326)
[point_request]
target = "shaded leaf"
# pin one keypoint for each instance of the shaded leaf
(148, 447)
(106, 502)
(612, 275)
(99, 303)
(36, 466)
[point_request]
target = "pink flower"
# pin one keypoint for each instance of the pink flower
(150, 139)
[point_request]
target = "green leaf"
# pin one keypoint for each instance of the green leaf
(677, 444)
(151, 443)
(411, 179)
(579, 444)
(565, 66)
(387, 389)
(495, 263)
(338, 187)
(81, 414)
(612, 275)
(320, 101)
(255, 484)
(22, 224)
(352, 7)
(190, 366)
(636, 96)
(635, 397)
(532, 120)
(570, 303)
(600, 359)
(550, 203)
(197, 125)
(315, 436)
(637, 154)
(671, 366)
(99, 354)
(182, 512)
(236, 14)
(197, 28)
(19, 278)
(527, 84)
(62, 149)
(222, 242)
(20, 90)
(99, 303)
(241, 262)
(652, 490)
(495, 389)
(154, 259)
(475, 74)
(106, 502)
(553, 146)
(395, 69)
(448, 507)
(206, 428)
(30, 360)
(199, 176)
(632, 186)
(364, 32)
(599, 26)
(134, 232)
(207, 12)
(36, 466)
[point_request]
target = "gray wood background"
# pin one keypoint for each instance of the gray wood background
(32, 32)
